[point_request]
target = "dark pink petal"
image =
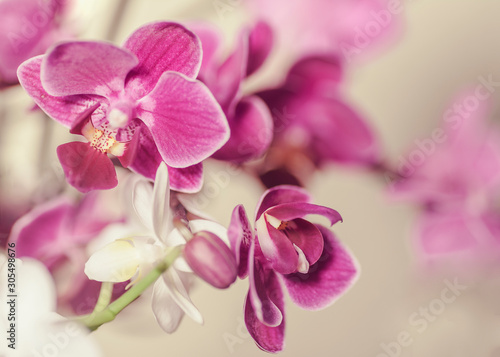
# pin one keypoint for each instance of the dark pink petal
(185, 120)
(265, 293)
(131, 147)
(211, 43)
(146, 160)
(326, 280)
(86, 168)
(281, 194)
(65, 110)
(260, 44)
(74, 68)
(36, 233)
(315, 75)
(276, 247)
(251, 132)
(240, 236)
(161, 47)
(332, 118)
(187, 179)
(268, 338)
(290, 211)
(307, 237)
(230, 74)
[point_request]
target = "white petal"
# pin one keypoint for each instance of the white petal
(190, 202)
(161, 203)
(303, 264)
(142, 199)
(219, 230)
(178, 284)
(175, 238)
(167, 313)
(34, 287)
(116, 262)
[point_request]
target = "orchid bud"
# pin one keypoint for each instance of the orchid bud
(211, 259)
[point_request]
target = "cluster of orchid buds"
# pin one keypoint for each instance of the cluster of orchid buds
(149, 113)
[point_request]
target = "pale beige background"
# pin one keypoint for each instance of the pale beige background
(404, 90)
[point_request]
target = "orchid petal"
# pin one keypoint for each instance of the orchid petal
(281, 194)
(147, 158)
(36, 233)
(251, 132)
(176, 104)
(318, 75)
(167, 313)
(187, 179)
(32, 276)
(291, 211)
(116, 262)
(355, 141)
(198, 225)
(211, 43)
(74, 68)
(65, 110)
(307, 237)
(178, 283)
(334, 273)
(276, 247)
(230, 75)
(161, 203)
(265, 292)
(267, 338)
(86, 168)
(142, 200)
(260, 45)
(240, 236)
(161, 47)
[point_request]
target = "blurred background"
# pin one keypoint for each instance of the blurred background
(403, 88)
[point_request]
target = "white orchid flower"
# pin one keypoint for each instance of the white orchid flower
(132, 258)
(28, 310)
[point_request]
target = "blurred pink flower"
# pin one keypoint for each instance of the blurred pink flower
(312, 118)
(140, 103)
(248, 116)
(27, 29)
(345, 28)
(288, 251)
(456, 182)
(57, 234)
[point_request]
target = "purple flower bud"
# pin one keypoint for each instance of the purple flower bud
(211, 259)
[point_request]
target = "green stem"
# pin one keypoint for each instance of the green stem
(98, 318)
(104, 297)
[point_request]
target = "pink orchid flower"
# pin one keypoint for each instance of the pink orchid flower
(140, 103)
(340, 27)
(249, 118)
(27, 29)
(455, 178)
(288, 251)
(312, 118)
